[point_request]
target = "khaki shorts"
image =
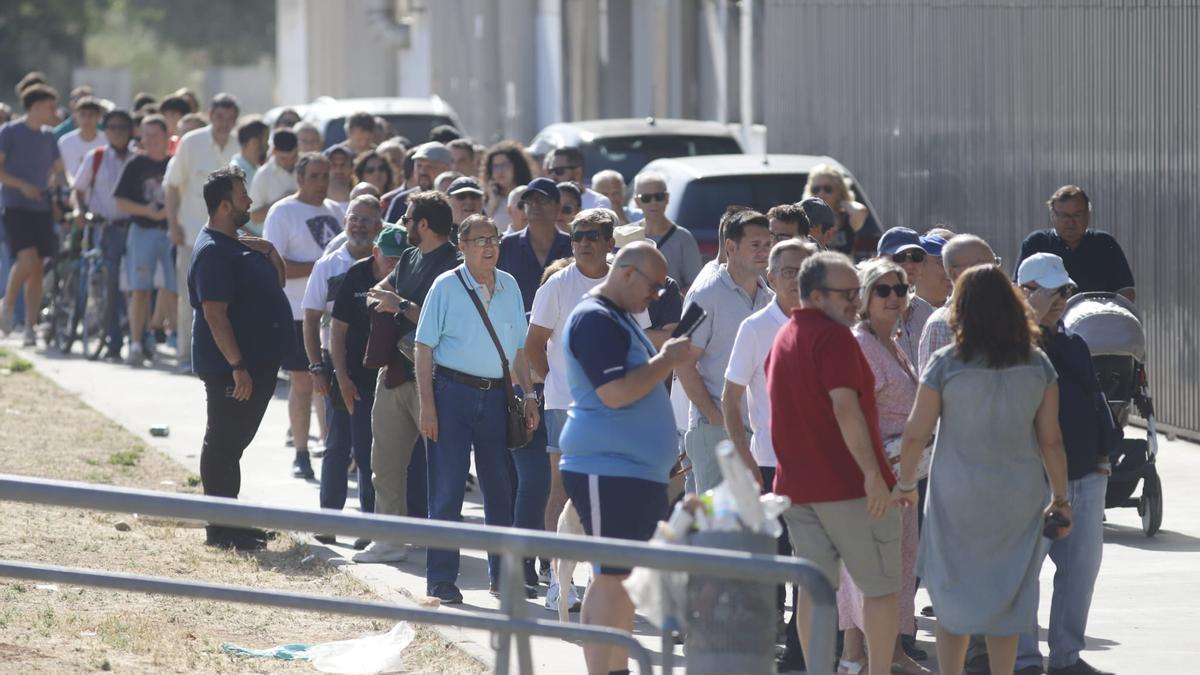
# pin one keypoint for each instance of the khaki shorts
(827, 533)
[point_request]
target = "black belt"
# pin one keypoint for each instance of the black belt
(480, 383)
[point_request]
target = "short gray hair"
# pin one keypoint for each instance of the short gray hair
(471, 221)
(647, 176)
(371, 201)
(514, 195)
(607, 174)
(957, 245)
(307, 158)
(786, 245)
(815, 270)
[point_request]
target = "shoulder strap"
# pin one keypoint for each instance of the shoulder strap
(487, 322)
(97, 157)
(663, 241)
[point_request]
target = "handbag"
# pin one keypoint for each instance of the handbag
(383, 351)
(891, 450)
(517, 431)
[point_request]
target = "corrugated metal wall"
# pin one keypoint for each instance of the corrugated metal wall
(972, 113)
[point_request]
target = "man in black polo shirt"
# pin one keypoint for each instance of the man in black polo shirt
(1093, 258)
(243, 327)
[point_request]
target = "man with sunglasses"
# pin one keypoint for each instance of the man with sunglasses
(730, 295)
(466, 199)
(676, 243)
(905, 248)
(527, 253)
(1093, 258)
(566, 164)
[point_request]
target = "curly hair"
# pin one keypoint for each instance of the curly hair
(522, 164)
(990, 319)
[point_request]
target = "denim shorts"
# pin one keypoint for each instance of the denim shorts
(555, 420)
(147, 250)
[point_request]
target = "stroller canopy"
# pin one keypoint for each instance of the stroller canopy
(1108, 323)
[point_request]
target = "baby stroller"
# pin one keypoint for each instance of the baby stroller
(1113, 330)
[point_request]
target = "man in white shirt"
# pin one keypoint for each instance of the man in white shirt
(276, 178)
(566, 164)
(199, 153)
(77, 144)
(299, 226)
(591, 240)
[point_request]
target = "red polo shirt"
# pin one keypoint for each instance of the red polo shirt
(812, 356)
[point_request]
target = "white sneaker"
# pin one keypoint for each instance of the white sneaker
(382, 552)
(135, 355)
(573, 603)
(30, 338)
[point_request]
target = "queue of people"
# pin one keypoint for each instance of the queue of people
(451, 314)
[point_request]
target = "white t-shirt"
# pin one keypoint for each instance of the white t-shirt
(337, 242)
(300, 232)
(73, 149)
(551, 306)
(196, 155)
(322, 287)
(750, 349)
(271, 183)
(593, 200)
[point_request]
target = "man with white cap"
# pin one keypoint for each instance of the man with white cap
(1085, 421)
(905, 248)
(429, 160)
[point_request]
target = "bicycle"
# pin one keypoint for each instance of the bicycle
(79, 302)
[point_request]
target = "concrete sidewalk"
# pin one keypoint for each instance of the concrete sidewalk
(1144, 615)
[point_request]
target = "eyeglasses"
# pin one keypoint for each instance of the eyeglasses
(647, 197)
(375, 168)
(563, 170)
(851, 294)
(777, 237)
(406, 221)
(357, 220)
(915, 255)
(789, 273)
(485, 242)
(818, 189)
(901, 290)
(1063, 292)
(656, 288)
(590, 235)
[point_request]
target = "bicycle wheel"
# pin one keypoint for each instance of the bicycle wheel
(95, 309)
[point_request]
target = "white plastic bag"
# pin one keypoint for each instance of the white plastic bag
(365, 655)
(659, 595)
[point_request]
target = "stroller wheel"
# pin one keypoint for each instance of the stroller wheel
(1150, 507)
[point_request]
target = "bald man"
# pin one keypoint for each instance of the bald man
(958, 255)
(618, 443)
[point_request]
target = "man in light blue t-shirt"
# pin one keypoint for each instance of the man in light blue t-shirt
(619, 442)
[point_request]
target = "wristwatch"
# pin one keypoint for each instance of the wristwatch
(405, 304)
(1061, 503)
(530, 396)
(317, 368)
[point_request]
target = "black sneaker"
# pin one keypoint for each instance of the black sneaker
(790, 660)
(302, 467)
(1080, 667)
(909, 644)
(361, 543)
(325, 538)
(236, 540)
(447, 592)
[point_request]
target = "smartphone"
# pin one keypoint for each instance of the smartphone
(1054, 521)
(693, 316)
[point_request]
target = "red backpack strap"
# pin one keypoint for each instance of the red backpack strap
(97, 157)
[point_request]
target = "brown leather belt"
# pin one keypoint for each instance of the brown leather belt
(480, 383)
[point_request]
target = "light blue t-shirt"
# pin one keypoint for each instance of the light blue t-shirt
(451, 325)
(602, 343)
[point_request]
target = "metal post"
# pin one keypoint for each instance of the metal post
(512, 604)
(668, 640)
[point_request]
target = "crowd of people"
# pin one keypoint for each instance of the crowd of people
(440, 306)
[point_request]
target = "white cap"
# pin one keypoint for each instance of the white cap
(1044, 269)
(627, 234)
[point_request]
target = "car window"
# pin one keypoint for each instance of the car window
(414, 127)
(703, 201)
(628, 154)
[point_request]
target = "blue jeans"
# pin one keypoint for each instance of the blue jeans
(112, 246)
(1077, 563)
(467, 417)
(348, 433)
(532, 474)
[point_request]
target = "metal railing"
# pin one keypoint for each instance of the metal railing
(511, 543)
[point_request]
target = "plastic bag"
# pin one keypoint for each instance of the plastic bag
(365, 655)
(659, 595)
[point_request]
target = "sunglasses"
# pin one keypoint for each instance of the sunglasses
(647, 197)
(1063, 292)
(914, 255)
(563, 170)
(818, 189)
(901, 290)
(851, 294)
(590, 235)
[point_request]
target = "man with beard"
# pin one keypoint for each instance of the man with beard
(242, 333)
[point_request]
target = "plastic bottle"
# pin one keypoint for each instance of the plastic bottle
(743, 489)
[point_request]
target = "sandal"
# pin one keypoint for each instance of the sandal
(852, 667)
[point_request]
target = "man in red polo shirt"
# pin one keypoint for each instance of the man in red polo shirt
(825, 429)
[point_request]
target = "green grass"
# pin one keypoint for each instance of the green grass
(19, 365)
(128, 457)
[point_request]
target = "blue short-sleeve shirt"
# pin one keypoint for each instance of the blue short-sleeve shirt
(451, 325)
(518, 259)
(225, 270)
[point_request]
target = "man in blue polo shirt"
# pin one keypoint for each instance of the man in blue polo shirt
(243, 327)
(527, 253)
(462, 394)
(619, 442)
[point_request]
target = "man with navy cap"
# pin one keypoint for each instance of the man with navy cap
(934, 285)
(527, 253)
(903, 247)
(821, 222)
(429, 160)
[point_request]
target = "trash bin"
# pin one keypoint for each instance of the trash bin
(731, 622)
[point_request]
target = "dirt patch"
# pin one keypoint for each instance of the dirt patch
(47, 432)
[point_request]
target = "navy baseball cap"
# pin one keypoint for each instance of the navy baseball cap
(464, 185)
(543, 186)
(819, 214)
(899, 239)
(933, 244)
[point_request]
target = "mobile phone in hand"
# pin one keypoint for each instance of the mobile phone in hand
(1054, 521)
(693, 316)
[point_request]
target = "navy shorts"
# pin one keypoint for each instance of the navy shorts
(297, 359)
(616, 507)
(27, 228)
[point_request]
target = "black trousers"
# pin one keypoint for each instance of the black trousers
(792, 640)
(231, 427)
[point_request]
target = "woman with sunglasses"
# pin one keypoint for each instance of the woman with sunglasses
(570, 198)
(372, 167)
(884, 301)
(505, 166)
(829, 185)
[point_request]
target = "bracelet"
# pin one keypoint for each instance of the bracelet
(1061, 503)
(530, 396)
(316, 368)
(906, 487)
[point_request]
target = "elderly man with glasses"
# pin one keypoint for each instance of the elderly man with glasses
(676, 243)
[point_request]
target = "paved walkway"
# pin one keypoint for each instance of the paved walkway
(1144, 616)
